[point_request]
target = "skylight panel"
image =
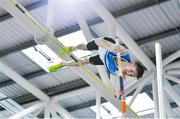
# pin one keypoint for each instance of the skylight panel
(45, 57)
(74, 39)
(142, 105)
(42, 55)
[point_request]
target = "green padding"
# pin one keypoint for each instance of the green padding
(55, 67)
(66, 51)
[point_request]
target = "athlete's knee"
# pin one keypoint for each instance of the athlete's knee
(85, 61)
(83, 46)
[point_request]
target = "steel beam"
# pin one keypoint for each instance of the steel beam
(47, 113)
(30, 7)
(28, 86)
(171, 58)
(70, 88)
(98, 105)
(23, 82)
(160, 81)
(172, 78)
(93, 103)
(173, 65)
(28, 76)
(141, 41)
(155, 97)
(62, 111)
(146, 78)
(173, 72)
(28, 110)
(101, 89)
(61, 89)
(85, 105)
(72, 93)
(154, 37)
(171, 92)
(53, 91)
(30, 98)
(17, 48)
(169, 112)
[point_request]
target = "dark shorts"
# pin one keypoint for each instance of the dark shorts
(95, 60)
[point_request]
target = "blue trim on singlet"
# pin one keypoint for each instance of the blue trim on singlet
(110, 62)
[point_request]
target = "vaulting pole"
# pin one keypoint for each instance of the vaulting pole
(106, 94)
(121, 95)
(87, 34)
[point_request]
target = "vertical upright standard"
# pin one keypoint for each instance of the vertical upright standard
(160, 82)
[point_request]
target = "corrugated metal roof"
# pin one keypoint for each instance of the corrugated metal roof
(49, 80)
(41, 82)
(113, 5)
(27, 2)
(2, 11)
(12, 34)
(146, 22)
(5, 114)
(64, 15)
(84, 113)
(3, 77)
(168, 45)
(176, 111)
(20, 63)
(78, 99)
(23, 2)
(13, 91)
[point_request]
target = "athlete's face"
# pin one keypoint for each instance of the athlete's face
(129, 69)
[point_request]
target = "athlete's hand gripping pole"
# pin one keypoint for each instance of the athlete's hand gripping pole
(120, 76)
